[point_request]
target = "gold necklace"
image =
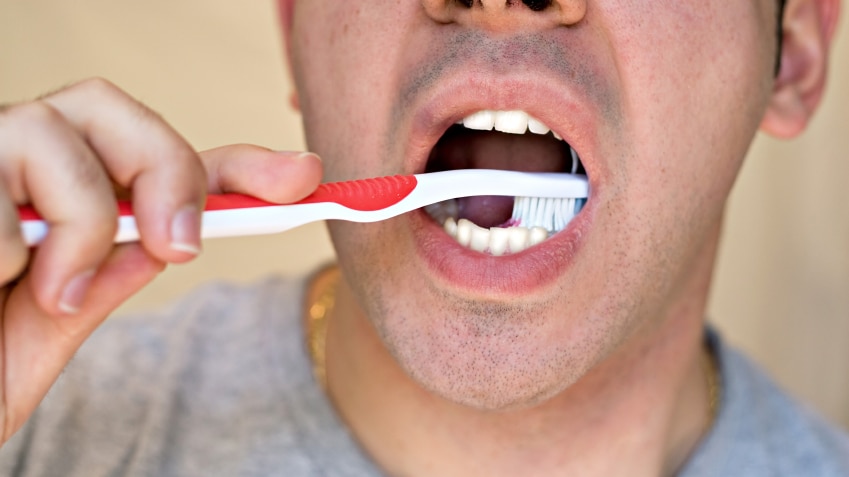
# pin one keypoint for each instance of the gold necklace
(319, 303)
(321, 299)
(714, 384)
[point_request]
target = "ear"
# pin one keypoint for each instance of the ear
(807, 32)
(286, 13)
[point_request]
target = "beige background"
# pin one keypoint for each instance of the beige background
(214, 69)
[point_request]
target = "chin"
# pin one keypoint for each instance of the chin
(496, 354)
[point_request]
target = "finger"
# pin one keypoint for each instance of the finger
(143, 153)
(280, 177)
(38, 346)
(13, 252)
(45, 162)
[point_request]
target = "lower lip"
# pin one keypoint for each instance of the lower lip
(515, 274)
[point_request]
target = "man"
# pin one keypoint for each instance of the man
(583, 355)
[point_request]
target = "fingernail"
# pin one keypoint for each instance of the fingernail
(74, 293)
(185, 230)
(305, 155)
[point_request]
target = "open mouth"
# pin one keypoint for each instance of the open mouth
(508, 140)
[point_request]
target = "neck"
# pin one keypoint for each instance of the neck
(647, 404)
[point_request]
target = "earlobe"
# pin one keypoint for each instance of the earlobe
(293, 99)
(807, 31)
(285, 11)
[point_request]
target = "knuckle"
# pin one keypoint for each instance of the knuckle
(107, 91)
(143, 114)
(22, 123)
(98, 86)
(89, 174)
(101, 90)
(34, 114)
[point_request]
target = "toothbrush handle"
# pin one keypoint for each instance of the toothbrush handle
(363, 195)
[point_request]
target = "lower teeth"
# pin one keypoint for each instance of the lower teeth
(533, 225)
(495, 240)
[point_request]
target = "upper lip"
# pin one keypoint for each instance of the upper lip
(562, 108)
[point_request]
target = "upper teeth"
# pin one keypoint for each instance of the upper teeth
(514, 122)
(533, 220)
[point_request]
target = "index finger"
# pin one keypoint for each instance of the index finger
(142, 152)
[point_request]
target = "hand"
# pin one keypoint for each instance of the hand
(67, 154)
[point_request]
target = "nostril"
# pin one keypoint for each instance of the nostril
(507, 15)
(537, 5)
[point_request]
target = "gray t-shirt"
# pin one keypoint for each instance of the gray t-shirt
(221, 385)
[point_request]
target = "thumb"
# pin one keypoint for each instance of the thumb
(279, 177)
(36, 346)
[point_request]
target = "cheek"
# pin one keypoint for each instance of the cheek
(695, 104)
(715, 57)
(343, 56)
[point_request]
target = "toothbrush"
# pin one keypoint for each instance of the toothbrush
(363, 200)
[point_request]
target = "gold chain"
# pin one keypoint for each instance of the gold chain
(321, 298)
(714, 384)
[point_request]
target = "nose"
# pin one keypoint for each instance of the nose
(505, 16)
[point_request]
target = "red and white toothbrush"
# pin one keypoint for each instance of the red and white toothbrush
(364, 200)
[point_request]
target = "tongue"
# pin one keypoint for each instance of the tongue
(486, 211)
(461, 148)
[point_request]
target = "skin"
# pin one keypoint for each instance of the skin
(601, 358)
(85, 141)
(605, 355)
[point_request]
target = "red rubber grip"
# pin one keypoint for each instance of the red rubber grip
(363, 194)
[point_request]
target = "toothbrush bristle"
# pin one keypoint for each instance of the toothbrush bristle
(550, 213)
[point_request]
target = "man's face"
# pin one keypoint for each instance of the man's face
(659, 99)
